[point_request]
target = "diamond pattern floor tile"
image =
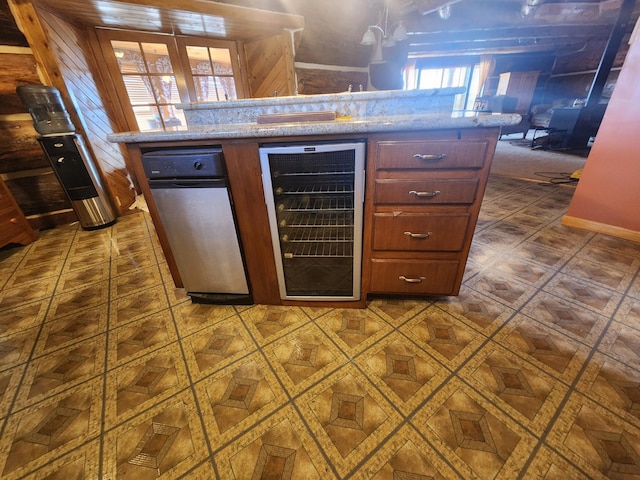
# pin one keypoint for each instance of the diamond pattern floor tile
(353, 330)
(270, 322)
(61, 370)
(141, 383)
(303, 357)
(402, 371)
(406, 456)
(37, 435)
(237, 397)
(348, 417)
(575, 321)
(615, 385)
(108, 370)
(551, 351)
(64, 331)
(599, 442)
(599, 299)
(443, 336)
(164, 441)
(523, 391)
(477, 438)
(140, 337)
(478, 311)
(279, 447)
(217, 346)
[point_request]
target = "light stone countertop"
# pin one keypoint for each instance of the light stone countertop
(399, 123)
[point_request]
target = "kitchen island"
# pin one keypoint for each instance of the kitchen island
(425, 175)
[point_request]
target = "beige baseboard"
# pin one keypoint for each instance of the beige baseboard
(598, 227)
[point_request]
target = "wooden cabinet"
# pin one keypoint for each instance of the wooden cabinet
(521, 85)
(14, 227)
(424, 192)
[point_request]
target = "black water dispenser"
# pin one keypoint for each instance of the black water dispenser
(71, 161)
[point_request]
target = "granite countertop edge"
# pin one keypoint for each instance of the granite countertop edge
(351, 126)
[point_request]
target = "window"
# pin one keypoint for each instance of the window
(212, 73)
(426, 76)
(150, 82)
(154, 73)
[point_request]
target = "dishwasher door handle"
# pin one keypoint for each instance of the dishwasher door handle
(187, 183)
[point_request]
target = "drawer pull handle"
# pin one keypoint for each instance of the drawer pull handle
(418, 235)
(435, 156)
(411, 280)
(425, 194)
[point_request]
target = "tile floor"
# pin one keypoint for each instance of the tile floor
(108, 372)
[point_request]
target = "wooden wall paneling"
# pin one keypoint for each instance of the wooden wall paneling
(77, 64)
(270, 66)
(312, 81)
(184, 17)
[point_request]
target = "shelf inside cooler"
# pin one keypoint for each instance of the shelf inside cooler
(322, 234)
(317, 250)
(318, 188)
(317, 219)
(315, 204)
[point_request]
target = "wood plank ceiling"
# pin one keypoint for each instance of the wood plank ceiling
(186, 17)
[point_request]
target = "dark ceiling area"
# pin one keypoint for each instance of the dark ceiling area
(569, 36)
(573, 32)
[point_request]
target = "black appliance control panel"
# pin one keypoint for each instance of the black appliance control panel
(184, 163)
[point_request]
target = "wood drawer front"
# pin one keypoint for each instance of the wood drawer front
(440, 155)
(11, 225)
(417, 277)
(425, 192)
(446, 231)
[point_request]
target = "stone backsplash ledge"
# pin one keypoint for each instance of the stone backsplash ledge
(357, 105)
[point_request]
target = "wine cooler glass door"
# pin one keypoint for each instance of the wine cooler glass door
(314, 195)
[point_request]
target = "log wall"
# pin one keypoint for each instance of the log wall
(23, 165)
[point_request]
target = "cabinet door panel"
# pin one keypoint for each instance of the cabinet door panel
(425, 192)
(14, 227)
(414, 277)
(419, 231)
(428, 155)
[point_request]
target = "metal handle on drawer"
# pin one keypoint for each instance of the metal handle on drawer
(411, 280)
(424, 194)
(418, 235)
(435, 156)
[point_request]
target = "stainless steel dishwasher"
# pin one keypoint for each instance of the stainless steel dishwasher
(189, 188)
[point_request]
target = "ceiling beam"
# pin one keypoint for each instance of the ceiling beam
(510, 33)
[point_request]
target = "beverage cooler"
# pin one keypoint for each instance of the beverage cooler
(70, 159)
(315, 199)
